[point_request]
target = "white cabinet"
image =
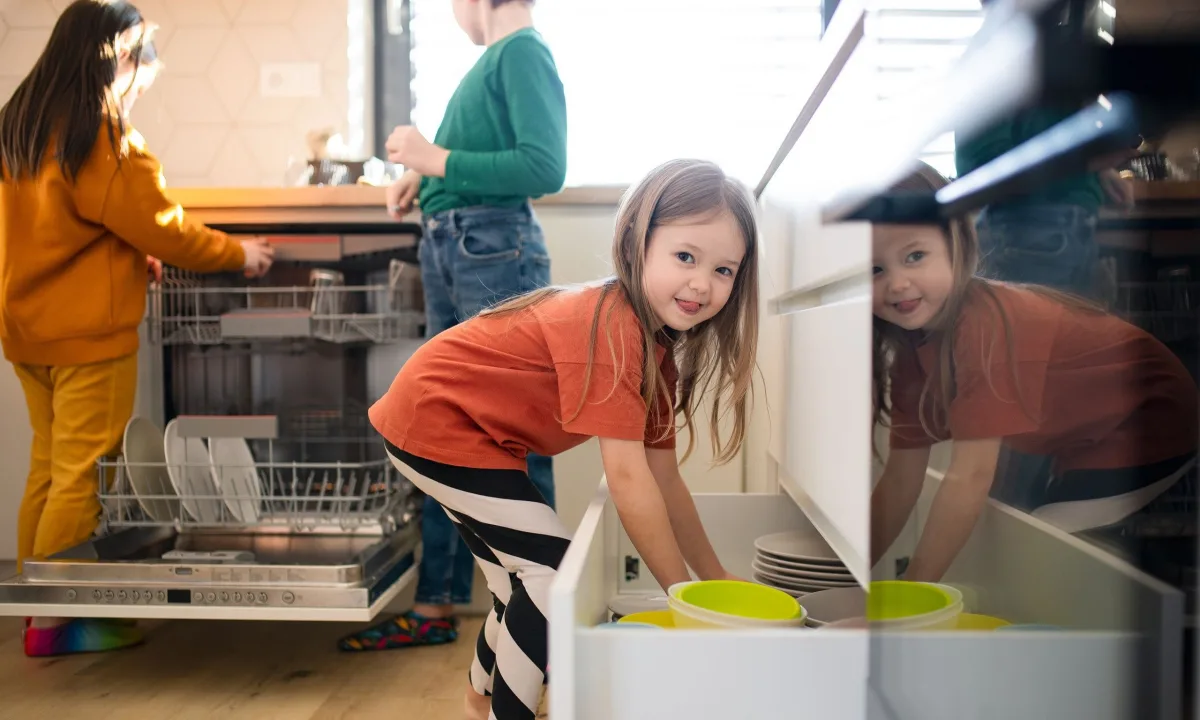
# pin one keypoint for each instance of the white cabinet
(1122, 622)
(607, 674)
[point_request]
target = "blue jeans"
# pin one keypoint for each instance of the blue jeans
(470, 259)
(1049, 245)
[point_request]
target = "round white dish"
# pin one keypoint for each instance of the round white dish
(802, 565)
(797, 546)
(145, 461)
(798, 584)
(235, 474)
(190, 470)
(835, 604)
(764, 564)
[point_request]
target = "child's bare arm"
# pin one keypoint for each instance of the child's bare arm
(685, 522)
(894, 496)
(642, 510)
(956, 508)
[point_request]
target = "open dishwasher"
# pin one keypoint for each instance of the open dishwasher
(254, 486)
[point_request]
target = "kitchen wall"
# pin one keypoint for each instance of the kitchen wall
(218, 115)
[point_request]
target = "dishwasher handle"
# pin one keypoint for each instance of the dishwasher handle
(250, 427)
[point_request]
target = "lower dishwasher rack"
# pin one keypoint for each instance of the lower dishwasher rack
(286, 532)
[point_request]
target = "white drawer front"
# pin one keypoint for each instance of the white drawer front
(604, 674)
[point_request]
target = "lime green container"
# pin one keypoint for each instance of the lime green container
(741, 599)
(897, 600)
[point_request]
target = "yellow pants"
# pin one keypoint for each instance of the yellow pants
(78, 414)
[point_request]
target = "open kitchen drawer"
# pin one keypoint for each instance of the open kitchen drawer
(1113, 664)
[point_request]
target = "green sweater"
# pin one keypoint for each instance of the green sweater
(505, 128)
(1083, 189)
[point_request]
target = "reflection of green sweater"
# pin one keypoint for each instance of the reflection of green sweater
(1082, 189)
(505, 128)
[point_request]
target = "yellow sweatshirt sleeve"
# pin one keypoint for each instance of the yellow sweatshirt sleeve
(135, 208)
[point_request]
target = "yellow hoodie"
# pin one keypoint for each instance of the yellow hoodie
(73, 255)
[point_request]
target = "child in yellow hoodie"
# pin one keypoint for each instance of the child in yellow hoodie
(82, 215)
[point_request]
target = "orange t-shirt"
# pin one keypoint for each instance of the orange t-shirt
(1095, 392)
(488, 391)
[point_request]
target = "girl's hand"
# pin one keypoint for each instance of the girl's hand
(408, 147)
(259, 256)
(154, 268)
(402, 193)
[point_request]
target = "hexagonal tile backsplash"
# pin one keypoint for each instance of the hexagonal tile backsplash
(205, 117)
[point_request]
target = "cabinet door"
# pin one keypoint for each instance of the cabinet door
(823, 456)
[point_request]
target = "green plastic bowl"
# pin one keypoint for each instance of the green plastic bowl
(740, 599)
(896, 600)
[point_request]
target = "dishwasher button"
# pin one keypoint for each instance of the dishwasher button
(136, 595)
(211, 597)
(237, 597)
(224, 597)
(288, 598)
(123, 595)
(109, 595)
(162, 596)
(262, 598)
(149, 595)
(96, 594)
(197, 597)
(71, 594)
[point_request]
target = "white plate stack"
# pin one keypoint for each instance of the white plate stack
(798, 564)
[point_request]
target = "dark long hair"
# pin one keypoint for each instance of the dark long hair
(68, 94)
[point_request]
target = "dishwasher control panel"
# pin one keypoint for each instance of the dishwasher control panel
(168, 596)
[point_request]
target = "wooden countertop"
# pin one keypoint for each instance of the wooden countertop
(1166, 191)
(351, 196)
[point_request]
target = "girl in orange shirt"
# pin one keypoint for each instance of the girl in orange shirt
(554, 368)
(987, 363)
(82, 209)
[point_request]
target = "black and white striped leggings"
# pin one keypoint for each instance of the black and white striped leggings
(519, 541)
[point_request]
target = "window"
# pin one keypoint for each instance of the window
(649, 80)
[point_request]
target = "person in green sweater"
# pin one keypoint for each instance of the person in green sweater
(502, 142)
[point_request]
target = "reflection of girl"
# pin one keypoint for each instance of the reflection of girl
(985, 363)
(82, 207)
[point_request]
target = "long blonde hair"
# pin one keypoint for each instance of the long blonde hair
(719, 351)
(890, 342)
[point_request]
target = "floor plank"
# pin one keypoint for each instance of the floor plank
(237, 670)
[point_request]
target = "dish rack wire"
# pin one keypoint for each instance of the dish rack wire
(1166, 309)
(298, 487)
(186, 308)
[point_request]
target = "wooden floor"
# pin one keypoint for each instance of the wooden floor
(236, 670)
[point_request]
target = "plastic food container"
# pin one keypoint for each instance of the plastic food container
(733, 604)
(658, 618)
(900, 605)
(971, 621)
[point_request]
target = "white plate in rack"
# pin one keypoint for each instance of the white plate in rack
(190, 469)
(235, 474)
(795, 546)
(145, 461)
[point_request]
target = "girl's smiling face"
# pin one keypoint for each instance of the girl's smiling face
(913, 275)
(690, 268)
